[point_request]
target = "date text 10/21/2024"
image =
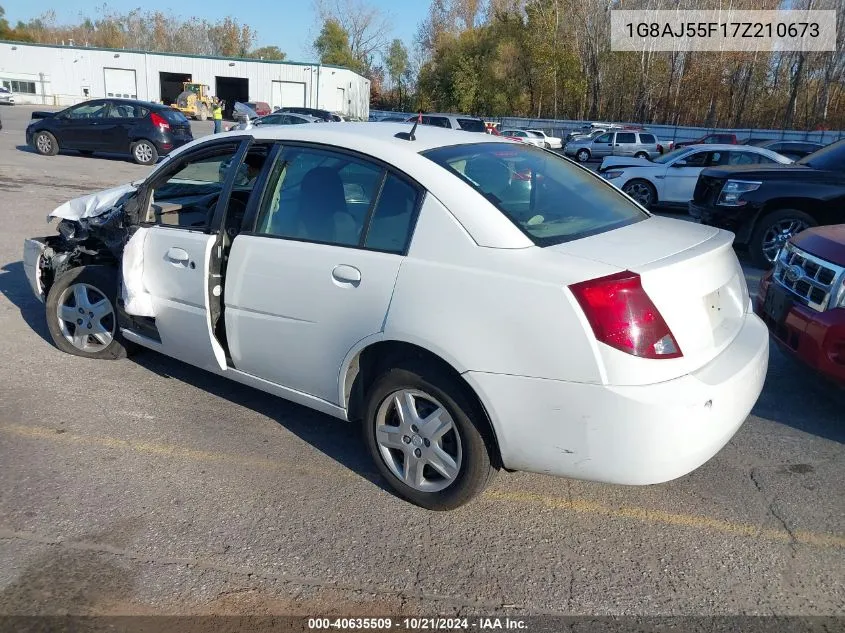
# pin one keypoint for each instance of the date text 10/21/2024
(417, 624)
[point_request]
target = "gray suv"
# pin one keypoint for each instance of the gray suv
(614, 143)
(452, 121)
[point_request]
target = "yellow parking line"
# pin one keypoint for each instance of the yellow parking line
(557, 503)
(667, 518)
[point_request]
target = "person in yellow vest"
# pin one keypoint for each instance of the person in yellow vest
(217, 115)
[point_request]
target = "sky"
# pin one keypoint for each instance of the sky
(288, 24)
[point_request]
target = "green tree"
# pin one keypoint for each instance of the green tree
(268, 52)
(396, 62)
(332, 46)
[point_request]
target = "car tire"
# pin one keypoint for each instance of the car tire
(45, 144)
(642, 191)
(424, 388)
(583, 155)
(144, 152)
(547, 145)
(773, 231)
(81, 300)
(641, 155)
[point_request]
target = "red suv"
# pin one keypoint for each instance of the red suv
(802, 300)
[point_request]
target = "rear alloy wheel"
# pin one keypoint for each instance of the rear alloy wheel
(583, 155)
(641, 191)
(424, 435)
(144, 153)
(46, 144)
(81, 313)
(641, 155)
(773, 232)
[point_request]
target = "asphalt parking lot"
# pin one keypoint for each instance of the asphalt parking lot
(147, 486)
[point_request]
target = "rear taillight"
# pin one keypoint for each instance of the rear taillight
(623, 316)
(160, 122)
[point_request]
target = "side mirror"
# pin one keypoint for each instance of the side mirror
(679, 163)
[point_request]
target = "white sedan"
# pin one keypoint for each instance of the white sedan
(552, 142)
(670, 179)
(407, 280)
(525, 136)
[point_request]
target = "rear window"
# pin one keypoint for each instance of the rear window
(472, 125)
(549, 198)
(173, 116)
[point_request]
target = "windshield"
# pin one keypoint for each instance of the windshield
(670, 156)
(830, 158)
(549, 198)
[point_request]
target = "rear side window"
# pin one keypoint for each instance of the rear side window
(472, 125)
(626, 137)
(390, 227)
(547, 197)
(437, 121)
(172, 116)
(647, 139)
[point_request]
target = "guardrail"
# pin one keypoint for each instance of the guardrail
(676, 133)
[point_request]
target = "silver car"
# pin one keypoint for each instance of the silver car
(277, 118)
(614, 143)
(6, 96)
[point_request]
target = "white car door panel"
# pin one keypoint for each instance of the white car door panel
(294, 309)
(680, 181)
(175, 275)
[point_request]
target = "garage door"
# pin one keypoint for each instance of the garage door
(120, 83)
(287, 94)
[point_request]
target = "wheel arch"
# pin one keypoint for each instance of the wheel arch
(809, 206)
(371, 356)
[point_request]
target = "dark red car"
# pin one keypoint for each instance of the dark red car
(711, 139)
(802, 300)
(261, 108)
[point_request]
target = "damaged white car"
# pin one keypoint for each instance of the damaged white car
(476, 303)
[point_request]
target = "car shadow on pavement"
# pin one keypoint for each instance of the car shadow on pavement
(338, 440)
(795, 397)
(15, 287)
(123, 158)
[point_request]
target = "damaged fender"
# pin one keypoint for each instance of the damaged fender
(101, 227)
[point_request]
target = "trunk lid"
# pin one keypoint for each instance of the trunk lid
(692, 276)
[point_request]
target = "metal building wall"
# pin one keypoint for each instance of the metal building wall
(63, 73)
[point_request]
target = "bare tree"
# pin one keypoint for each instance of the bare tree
(368, 26)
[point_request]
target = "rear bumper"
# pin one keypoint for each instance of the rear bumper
(816, 339)
(627, 435)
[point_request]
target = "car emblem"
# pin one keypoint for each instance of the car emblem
(794, 273)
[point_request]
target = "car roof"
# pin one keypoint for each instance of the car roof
(376, 140)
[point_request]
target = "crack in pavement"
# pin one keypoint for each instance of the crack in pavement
(301, 581)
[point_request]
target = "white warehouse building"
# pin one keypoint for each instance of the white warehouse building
(64, 75)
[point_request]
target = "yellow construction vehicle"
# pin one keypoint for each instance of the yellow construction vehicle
(194, 101)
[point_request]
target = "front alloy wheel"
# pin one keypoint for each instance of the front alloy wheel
(86, 318)
(778, 234)
(640, 191)
(81, 314)
(583, 156)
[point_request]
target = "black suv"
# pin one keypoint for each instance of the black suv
(765, 205)
(143, 130)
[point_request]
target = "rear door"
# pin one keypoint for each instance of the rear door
(625, 144)
(121, 118)
(316, 274)
(182, 203)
